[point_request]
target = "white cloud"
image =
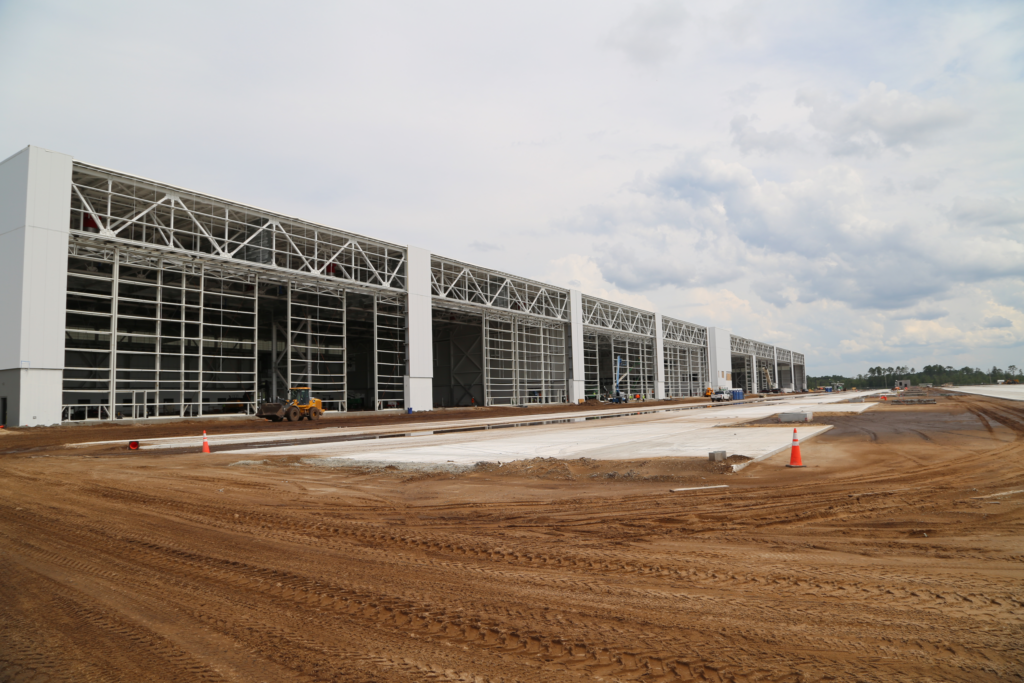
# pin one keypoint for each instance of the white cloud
(580, 272)
(730, 163)
(881, 119)
(997, 321)
(749, 139)
(652, 33)
(922, 314)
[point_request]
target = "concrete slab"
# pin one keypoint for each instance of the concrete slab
(1011, 392)
(718, 412)
(649, 436)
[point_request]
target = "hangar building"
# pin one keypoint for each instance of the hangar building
(127, 298)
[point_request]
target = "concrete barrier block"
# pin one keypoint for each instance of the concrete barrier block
(716, 456)
(796, 417)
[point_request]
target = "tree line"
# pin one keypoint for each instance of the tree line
(882, 377)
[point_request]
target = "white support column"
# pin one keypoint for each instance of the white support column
(35, 216)
(719, 358)
(659, 359)
(419, 380)
(577, 383)
(775, 355)
(754, 368)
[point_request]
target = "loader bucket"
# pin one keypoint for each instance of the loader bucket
(271, 411)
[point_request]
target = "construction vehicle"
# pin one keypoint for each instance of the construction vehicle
(837, 386)
(298, 405)
(708, 392)
(767, 385)
(721, 395)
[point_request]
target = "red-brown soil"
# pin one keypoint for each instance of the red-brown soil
(882, 561)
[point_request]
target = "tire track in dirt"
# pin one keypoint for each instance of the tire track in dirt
(804, 581)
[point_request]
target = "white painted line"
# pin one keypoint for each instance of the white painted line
(996, 495)
(700, 488)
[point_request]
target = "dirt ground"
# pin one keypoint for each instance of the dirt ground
(891, 557)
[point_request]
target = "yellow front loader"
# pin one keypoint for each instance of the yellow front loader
(299, 405)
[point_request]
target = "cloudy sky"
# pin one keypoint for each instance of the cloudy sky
(845, 179)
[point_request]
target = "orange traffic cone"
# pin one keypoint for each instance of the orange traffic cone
(206, 443)
(794, 454)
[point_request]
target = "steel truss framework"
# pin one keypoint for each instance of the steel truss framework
(390, 336)
(524, 360)
(454, 281)
(316, 341)
(635, 370)
(124, 207)
(682, 331)
(148, 336)
(686, 370)
(153, 335)
(612, 316)
(749, 347)
(213, 260)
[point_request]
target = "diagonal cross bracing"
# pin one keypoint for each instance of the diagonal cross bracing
(153, 214)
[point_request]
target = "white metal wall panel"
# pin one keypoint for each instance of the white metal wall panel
(12, 269)
(35, 190)
(719, 357)
(659, 358)
(577, 385)
(420, 355)
(13, 209)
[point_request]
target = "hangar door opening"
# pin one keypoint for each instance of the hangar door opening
(458, 341)
(785, 376)
(743, 373)
(611, 360)
(375, 338)
(347, 347)
(524, 360)
(686, 370)
(766, 378)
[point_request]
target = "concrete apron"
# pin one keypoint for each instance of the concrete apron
(819, 403)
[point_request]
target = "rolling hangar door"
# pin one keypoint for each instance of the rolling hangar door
(686, 370)
(524, 360)
(685, 358)
(160, 337)
(522, 328)
(489, 358)
(743, 373)
(347, 345)
(458, 349)
(182, 304)
(608, 356)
